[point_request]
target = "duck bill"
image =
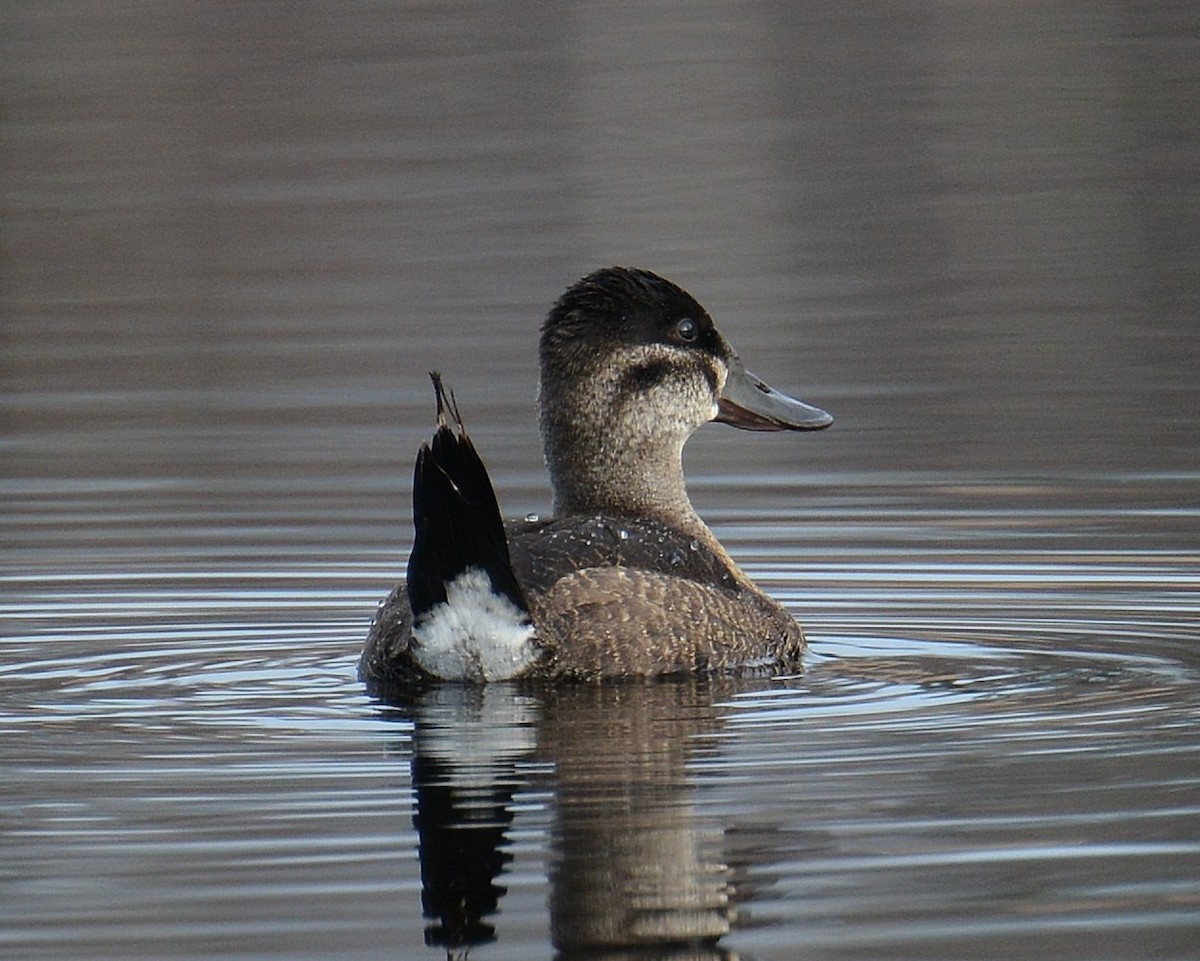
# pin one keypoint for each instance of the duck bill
(752, 404)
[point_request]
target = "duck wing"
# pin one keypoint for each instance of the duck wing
(544, 552)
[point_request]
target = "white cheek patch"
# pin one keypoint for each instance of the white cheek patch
(475, 634)
(682, 400)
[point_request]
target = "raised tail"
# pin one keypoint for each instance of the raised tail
(471, 619)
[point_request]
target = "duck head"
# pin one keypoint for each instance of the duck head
(631, 365)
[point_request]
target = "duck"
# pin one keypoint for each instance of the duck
(623, 579)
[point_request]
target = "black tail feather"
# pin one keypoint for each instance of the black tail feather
(456, 515)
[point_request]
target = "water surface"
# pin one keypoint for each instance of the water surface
(235, 240)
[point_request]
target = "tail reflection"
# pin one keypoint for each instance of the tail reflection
(467, 742)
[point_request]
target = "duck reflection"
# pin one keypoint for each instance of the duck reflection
(635, 871)
(632, 863)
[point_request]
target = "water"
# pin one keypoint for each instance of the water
(235, 240)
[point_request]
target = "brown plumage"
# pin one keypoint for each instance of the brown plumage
(626, 580)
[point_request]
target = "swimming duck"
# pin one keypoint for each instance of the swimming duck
(624, 579)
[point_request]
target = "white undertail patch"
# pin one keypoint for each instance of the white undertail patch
(476, 634)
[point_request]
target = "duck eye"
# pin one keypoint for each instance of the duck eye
(686, 330)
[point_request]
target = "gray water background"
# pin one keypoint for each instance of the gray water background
(234, 238)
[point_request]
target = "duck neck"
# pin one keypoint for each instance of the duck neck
(613, 468)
